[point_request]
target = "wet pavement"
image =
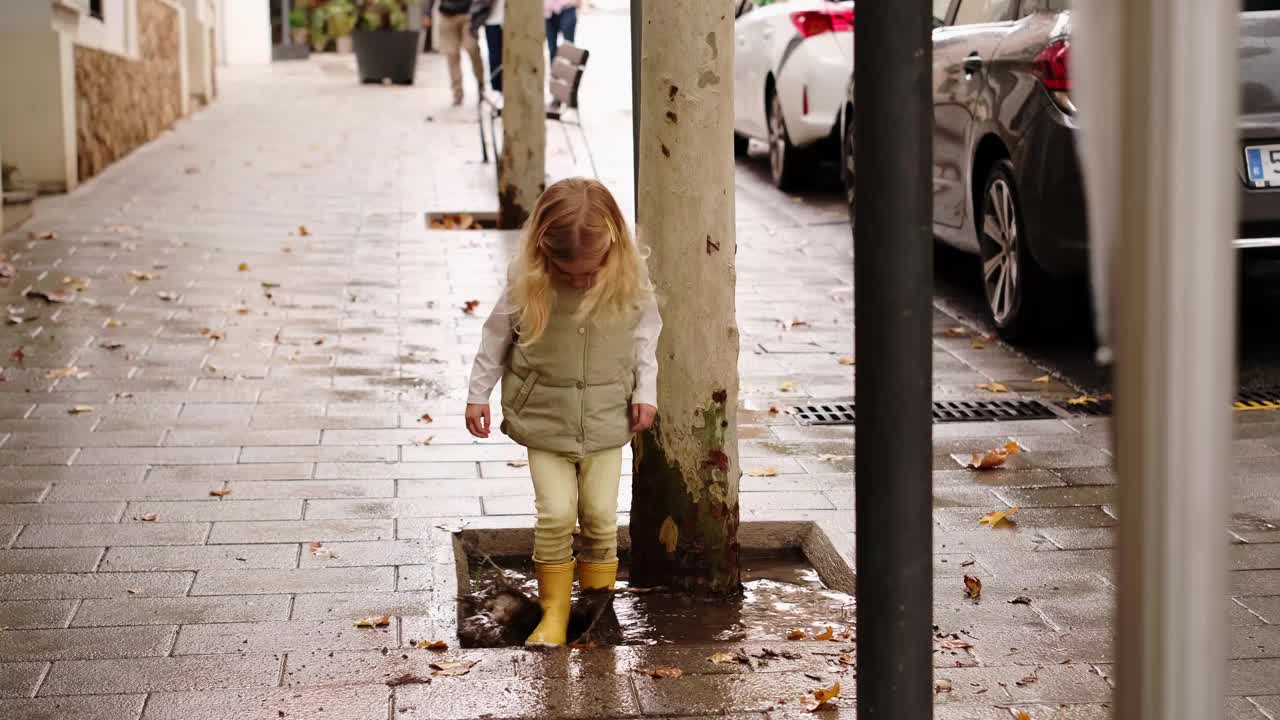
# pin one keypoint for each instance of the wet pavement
(216, 458)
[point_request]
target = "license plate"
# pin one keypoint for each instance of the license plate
(1262, 165)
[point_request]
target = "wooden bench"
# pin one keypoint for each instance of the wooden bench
(566, 78)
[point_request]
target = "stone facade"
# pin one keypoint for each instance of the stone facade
(121, 103)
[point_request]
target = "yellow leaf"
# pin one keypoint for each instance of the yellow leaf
(141, 276)
(972, 587)
(825, 634)
(81, 410)
(994, 458)
(787, 386)
(303, 231)
(994, 387)
(437, 645)
(373, 621)
(999, 518)
(722, 658)
(1042, 379)
(797, 635)
(956, 332)
(244, 267)
(822, 696)
(219, 493)
(847, 361)
(66, 372)
(1082, 400)
(976, 343)
(1021, 715)
(669, 535)
(766, 472)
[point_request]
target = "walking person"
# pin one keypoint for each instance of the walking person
(574, 340)
(489, 15)
(562, 21)
(455, 36)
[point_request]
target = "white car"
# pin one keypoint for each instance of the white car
(791, 75)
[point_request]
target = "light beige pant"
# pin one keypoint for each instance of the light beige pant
(573, 491)
(455, 35)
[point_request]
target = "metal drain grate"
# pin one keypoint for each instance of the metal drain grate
(1089, 406)
(944, 411)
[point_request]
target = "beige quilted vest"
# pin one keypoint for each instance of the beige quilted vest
(570, 391)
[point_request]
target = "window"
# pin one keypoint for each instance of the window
(940, 10)
(972, 12)
(1031, 7)
(95, 8)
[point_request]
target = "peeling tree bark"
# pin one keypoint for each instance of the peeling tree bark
(522, 163)
(684, 514)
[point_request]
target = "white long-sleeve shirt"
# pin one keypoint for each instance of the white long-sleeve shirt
(498, 334)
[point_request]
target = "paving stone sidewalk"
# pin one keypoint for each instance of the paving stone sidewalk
(215, 346)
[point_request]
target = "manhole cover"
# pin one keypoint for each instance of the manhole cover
(944, 411)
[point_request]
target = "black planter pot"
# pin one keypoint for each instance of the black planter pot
(383, 55)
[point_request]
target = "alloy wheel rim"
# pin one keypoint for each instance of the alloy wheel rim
(1000, 274)
(777, 138)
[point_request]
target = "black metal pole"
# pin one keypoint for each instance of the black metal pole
(893, 284)
(637, 25)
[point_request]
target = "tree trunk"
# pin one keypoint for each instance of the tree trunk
(684, 514)
(522, 164)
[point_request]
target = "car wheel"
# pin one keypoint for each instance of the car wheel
(784, 158)
(1014, 285)
(740, 145)
(847, 165)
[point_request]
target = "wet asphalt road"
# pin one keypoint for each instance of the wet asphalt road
(1067, 347)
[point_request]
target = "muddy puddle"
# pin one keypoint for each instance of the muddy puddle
(781, 593)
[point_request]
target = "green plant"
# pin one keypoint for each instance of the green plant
(319, 32)
(298, 18)
(340, 18)
(384, 15)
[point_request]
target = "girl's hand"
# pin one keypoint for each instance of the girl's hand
(478, 419)
(642, 417)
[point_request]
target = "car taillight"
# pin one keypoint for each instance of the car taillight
(1052, 66)
(816, 22)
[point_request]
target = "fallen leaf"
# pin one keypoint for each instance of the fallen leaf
(665, 672)
(994, 387)
(7, 270)
(1082, 400)
(821, 697)
(954, 644)
(319, 341)
(242, 310)
(167, 296)
(766, 472)
(111, 345)
(141, 276)
(373, 621)
(80, 410)
(942, 686)
(303, 231)
(18, 356)
(977, 343)
(723, 658)
(1020, 600)
(470, 306)
(1042, 379)
(76, 283)
(134, 591)
(797, 635)
(453, 668)
(192, 170)
(426, 418)
(669, 535)
(425, 441)
(150, 517)
(847, 361)
(66, 372)
(55, 297)
(787, 386)
(220, 493)
(1021, 715)
(956, 332)
(408, 679)
(999, 518)
(994, 458)
(113, 323)
(825, 634)
(433, 645)
(774, 410)
(517, 464)
(1031, 679)
(244, 267)
(43, 235)
(972, 588)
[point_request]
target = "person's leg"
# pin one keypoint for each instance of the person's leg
(470, 43)
(569, 23)
(598, 477)
(452, 29)
(493, 38)
(553, 33)
(555, 489)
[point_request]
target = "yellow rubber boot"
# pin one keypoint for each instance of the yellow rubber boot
(598, 576)
(555, 590)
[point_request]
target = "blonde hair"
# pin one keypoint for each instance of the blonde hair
(575, 218)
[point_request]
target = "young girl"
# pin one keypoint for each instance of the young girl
(573, 339)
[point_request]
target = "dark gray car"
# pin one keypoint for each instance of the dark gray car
(1006, 177)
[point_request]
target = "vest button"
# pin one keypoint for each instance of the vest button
(582, 331)
(581, 385)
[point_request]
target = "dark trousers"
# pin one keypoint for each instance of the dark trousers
(493, 38)
(563, 23)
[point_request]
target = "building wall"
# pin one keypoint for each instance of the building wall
(115, 32)
(122, 103)
(244, 32)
